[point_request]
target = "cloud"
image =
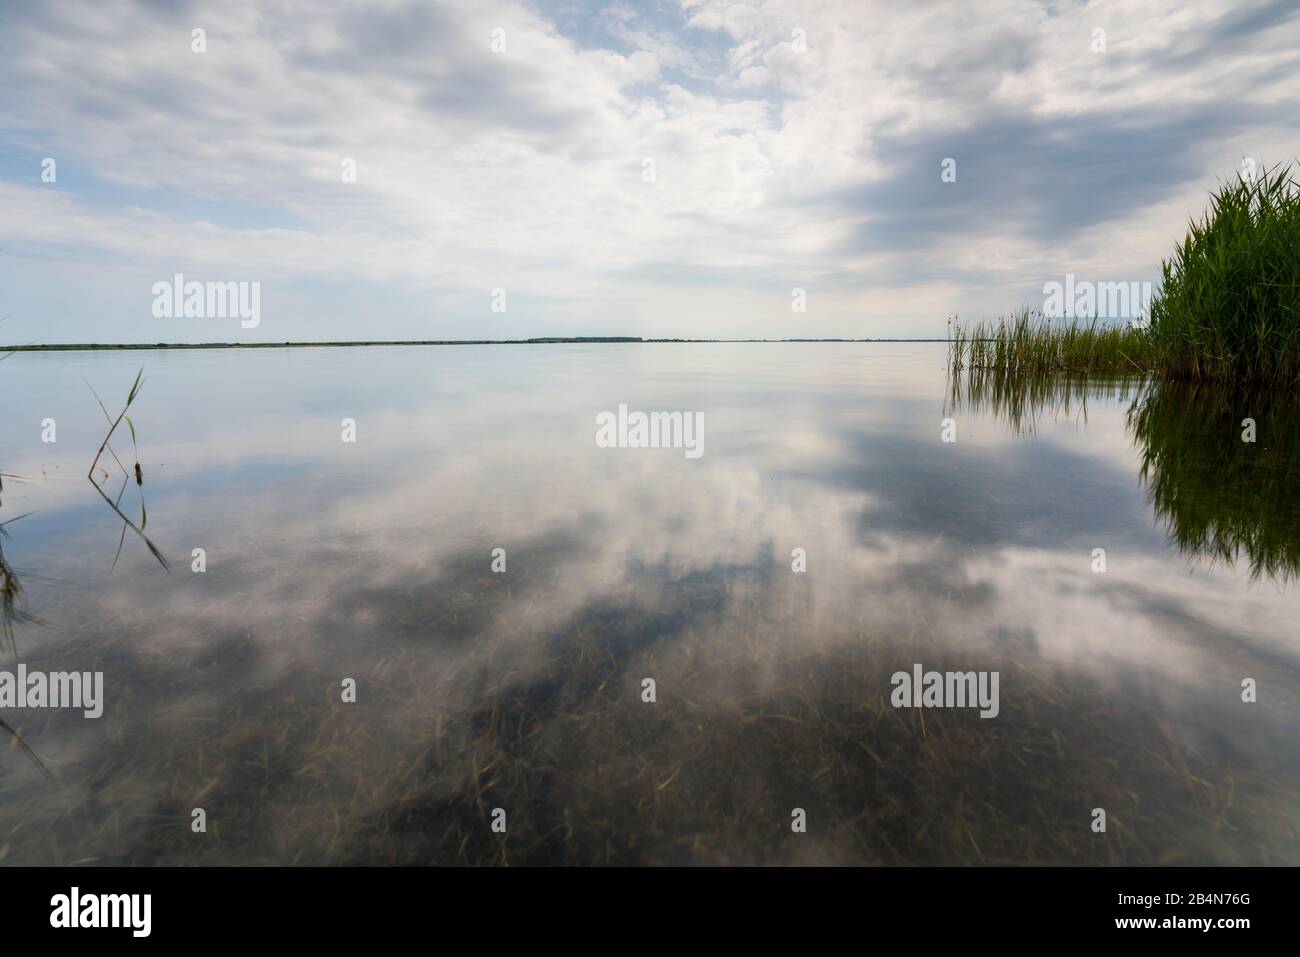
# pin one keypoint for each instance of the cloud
(775, 164)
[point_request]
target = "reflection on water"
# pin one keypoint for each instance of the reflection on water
(523, 690)
(96, 470)
(1022, 401)
(12, 613)
(1222, 497)
(11, 593)
(1218, 464)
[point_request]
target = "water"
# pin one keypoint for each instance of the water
(523, 691)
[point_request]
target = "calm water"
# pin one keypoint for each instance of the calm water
(523, 691)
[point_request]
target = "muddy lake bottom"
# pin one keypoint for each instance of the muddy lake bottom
(519, 694)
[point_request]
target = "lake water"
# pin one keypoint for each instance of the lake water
(517, 697)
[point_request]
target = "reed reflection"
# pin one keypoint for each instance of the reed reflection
(1221, 468)
(1218, 464)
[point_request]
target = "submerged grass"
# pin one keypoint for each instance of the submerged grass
(747, 728)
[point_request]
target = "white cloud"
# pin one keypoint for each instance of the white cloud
(524, 169)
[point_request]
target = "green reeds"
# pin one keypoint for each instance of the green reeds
(1227, 310)
(113, 423)
(1229, 304)
(1026, 343)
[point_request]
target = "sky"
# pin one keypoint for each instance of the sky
(403, 169)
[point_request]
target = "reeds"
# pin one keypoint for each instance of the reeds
(1026, 344)
(1020, 366)
(1227, 310)
(11, 612)
(1229, 304)
(138, 473)
(11, 593)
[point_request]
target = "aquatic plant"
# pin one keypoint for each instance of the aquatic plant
(1027, 344)
(1229, 303)
(755, 725)
(1228, 307)
(1020, 401)
(12, 612)
(104, 446)
(11, 592)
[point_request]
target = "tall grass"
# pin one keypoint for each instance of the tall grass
(1229, 303)
(1227, 310)
(1027, 344)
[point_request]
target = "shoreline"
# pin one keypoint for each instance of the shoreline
(576, 340)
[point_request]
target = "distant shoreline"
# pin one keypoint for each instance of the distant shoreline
(575, 340)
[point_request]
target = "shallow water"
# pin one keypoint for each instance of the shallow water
(523, 691)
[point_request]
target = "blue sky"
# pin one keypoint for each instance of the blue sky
(792, 145)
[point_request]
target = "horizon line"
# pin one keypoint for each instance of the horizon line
(538, 340)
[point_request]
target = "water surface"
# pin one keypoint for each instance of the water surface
(523, 691)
